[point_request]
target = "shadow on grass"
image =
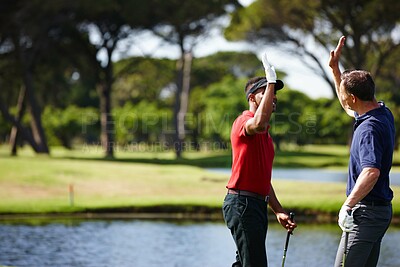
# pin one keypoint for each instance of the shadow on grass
(282, 153)
(220, 161)
(284, 159)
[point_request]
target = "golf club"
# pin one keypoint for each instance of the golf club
(346, 241)
(291, 216)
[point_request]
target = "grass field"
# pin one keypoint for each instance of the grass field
(150, 180)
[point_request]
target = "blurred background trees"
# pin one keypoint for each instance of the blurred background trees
(64, 82)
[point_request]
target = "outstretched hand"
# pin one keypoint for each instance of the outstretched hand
(335, 54)
(270, 73)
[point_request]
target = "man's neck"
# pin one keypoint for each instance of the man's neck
(253, 107)
(366, 106)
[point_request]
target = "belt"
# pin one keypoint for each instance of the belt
(375, 203)
(247, 194)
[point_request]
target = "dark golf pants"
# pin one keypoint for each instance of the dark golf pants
(364, 243)
(246, 218)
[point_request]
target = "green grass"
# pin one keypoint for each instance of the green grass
(312, 156)
(42, 184)
(153, 181)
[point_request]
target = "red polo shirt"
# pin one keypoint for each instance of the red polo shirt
(252, 157)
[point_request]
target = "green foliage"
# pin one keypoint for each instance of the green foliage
(291, 122)
(190, 17)
(142, 123)
(145, 117)
(143, 94)
(301, 120)
(63, 127)
(298, 119)
(216, 108)
(5, 128)
(143, 79)
(335, 124)
(213, 68)
(308, 27)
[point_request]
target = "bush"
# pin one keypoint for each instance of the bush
(63, 127)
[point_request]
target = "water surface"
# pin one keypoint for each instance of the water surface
(308, 174)
(142, 243)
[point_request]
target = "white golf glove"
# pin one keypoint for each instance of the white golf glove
(346, 220)
(270, 73)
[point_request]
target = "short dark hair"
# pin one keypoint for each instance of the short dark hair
(359, 83)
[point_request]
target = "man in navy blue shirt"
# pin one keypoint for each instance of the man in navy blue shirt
(367, 211)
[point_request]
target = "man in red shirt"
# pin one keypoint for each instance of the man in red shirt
(249, 188)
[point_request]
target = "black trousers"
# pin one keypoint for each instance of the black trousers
(246, 218)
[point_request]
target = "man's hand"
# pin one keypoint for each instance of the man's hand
(270, 73)
(335, 54)
(285, 221)
(346, 220)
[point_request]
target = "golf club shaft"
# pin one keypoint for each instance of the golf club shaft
(346, 241)
(291, 216)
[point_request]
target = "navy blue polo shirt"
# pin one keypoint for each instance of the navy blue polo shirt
(372, 146)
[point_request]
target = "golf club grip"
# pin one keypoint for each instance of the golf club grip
(291, 217)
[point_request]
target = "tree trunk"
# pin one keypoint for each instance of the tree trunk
(106, 120)
(177, 106)
(187, 66)
(36, 119)
(104, 89)
(26, 134)
(181, 101)
(14, 135)
(39, 143)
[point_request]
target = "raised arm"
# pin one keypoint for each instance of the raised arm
(334, 65)
(259, 123)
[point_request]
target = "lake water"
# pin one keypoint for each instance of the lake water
(306, 174)
(142, 243)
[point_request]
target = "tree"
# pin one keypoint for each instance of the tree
(370, 27)
(109, 22)
(29, 36)
(217, 95)
(183, 24)
(143, 79)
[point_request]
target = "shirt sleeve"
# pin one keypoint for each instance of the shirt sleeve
(240, 125)
(371, 150)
